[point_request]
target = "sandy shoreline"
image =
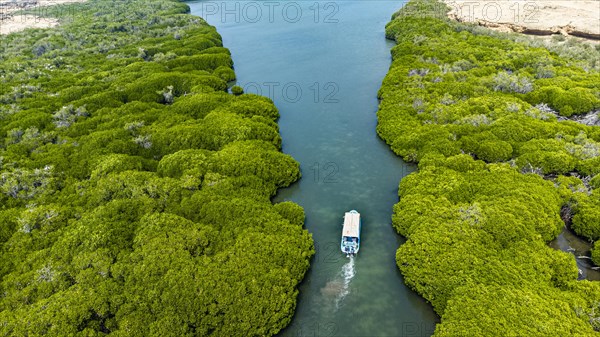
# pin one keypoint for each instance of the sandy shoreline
(569, 18)
(10, 23)
(540, 17)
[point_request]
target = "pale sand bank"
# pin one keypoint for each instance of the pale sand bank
(576, 18)
(10, 23)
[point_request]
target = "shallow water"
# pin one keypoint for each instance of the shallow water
(322, 64)
(567, 241)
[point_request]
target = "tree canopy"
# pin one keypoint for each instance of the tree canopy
(135, 191)
(486, 118)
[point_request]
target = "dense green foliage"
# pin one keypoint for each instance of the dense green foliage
(496, 167)
(134, 190)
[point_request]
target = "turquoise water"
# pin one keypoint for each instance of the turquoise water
(322, 64)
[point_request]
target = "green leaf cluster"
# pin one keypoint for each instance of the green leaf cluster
(135, 192)
(484, 116)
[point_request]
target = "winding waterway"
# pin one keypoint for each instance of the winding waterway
(322, 64)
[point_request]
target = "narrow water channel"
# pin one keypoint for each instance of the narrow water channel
(322, 64)
(569, 242)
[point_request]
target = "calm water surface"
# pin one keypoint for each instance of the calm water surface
(322, 64)
(569, 242)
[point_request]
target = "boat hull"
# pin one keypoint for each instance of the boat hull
(350, 244)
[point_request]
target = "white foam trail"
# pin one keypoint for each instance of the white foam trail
(347, 273)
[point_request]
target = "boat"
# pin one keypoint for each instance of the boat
(351, 233)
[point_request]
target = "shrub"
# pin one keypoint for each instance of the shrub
(595, 182)
(207, 62)
(115, 163)
(237, 90)
(151, 87)
(596, 254)
(589, 167)
(549, 162)
(291, 211)
(199, 105)
(191, 161)
(249, 105)
(568, 102)
(586, 221)
(494, 151)
(511, 83)
(224, 73)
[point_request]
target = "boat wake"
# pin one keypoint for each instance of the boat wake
(336, 290)
(347, 274)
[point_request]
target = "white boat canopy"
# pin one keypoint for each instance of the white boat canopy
(351, 224)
